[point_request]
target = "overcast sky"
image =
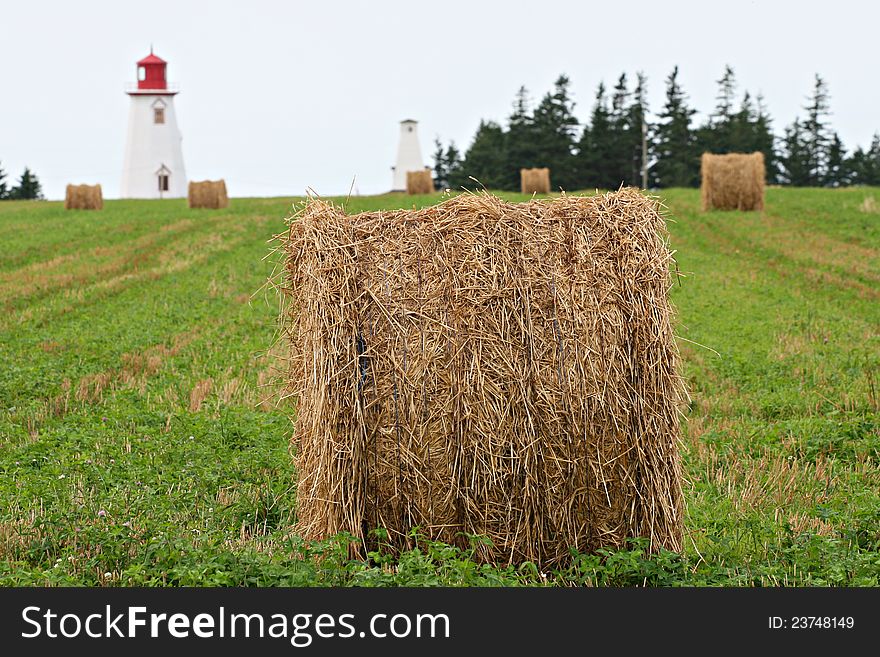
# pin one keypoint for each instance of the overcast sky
(280, 96)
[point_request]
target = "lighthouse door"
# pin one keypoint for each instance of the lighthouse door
(163, 178)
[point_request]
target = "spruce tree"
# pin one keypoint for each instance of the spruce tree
(794, 160)
(816, 137)
(441, 173)
(864, 166)
(764, 140)
(873, 161)
(621, 133)
(740, 133)
(486, 160)
(596, 146)
(453, 167)
(837, 172)
(521, 151)
(722, 121)
(4, 188)
(446, 164)
(638, 112)
(28, 187)
(678, 162)
(555, 127)
(715, 135)
(743, 130)
(856, 165)
(809, 145)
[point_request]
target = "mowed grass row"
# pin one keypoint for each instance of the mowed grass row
(783, 436)
(140, 443)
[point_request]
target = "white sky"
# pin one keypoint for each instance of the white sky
(280, 96)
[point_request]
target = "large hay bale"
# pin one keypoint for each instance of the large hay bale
(535, 181)
(209, 194)
(482, 367)
(734, 181)
(83, 197)
(419, 182)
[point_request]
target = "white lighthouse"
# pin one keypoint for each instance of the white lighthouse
(153, 165)
(409, 155)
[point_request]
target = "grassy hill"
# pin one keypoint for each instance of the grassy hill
(140, 444)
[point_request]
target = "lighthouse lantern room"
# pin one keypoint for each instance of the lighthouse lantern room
(153, 164)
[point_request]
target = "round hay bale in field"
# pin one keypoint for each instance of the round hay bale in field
(209, 194)
(419, 182)
(734, 181)
(535, 181)
(83, 197)
(487, 368)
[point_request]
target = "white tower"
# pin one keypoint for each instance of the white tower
(409, 155)
(153, 165)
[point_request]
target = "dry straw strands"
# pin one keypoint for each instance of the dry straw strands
(83, 197)
(208, 194)
(482, 367)
(732, 182)
(535, 181)
(419, 182)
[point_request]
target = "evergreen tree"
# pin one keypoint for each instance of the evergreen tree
(722, 122)
(857, 166)
(453, 166)
(864, 166)
(677, 160)
(596, 147)
(638, 111)
(521, 151)
(619, 162)
(4, 188)
(809, 145)
(441, 173)
(716, 134)
(620, 99)
(764, 140)
(794, 160)
(28, 187)
(837, 172)
(486, 160)
(446, 164)
(740, 133)
(555, 126)
(744, 130)
(816, 137)
(874, 161)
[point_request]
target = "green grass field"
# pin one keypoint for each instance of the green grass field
(140, 445)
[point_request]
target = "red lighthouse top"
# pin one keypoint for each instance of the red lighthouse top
(151, 76)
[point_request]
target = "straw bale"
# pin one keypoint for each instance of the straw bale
(486, 368)
(535, 181)
(208, 194)
(869, 206)
(83, 197)
(734, 181)
(419, 182)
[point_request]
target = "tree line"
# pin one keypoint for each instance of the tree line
(609, 150)
(27, 188)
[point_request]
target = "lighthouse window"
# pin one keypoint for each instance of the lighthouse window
(163, 182)
(142, 73)
(158, 115)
